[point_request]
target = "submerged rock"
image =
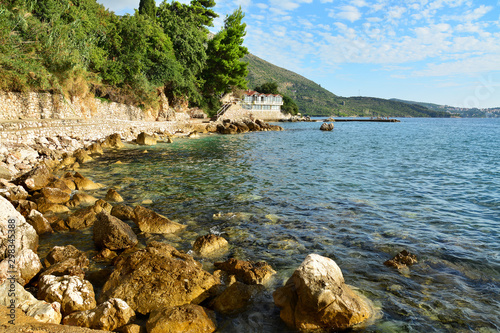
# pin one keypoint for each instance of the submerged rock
(246, 271)
(152, 222)
(210, 244)
(236, 298)
(186, 318)
(402, 259)
(167, 278)
(316, 297)
(108, 316)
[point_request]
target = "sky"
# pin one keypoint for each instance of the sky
(438, 51)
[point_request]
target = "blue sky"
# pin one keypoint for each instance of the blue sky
(438, 51)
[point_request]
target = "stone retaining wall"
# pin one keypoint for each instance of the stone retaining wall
(238, 113)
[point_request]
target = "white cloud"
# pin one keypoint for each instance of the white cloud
(475, 65)
(262, 5)
(396, 12)
(349, 13)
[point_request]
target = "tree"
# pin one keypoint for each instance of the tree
(225, 69)
(147, 7)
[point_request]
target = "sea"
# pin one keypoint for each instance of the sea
(359, 195)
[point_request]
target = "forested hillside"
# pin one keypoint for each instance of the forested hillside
(80, 49)
(314, 100)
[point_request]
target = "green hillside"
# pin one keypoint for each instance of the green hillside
(314, 100)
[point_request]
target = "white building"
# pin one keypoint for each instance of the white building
(255, 101)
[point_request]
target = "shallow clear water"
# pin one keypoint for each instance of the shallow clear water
(359, 195)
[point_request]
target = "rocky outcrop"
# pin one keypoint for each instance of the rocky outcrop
(246, 271)
(210, 245)
(108, 316)
(327, 127)
(186, 318)
(39, 310)
(113, 141)
(167, 278)
(37, 178)
(112, 233)
(316, 297)
(146, 139)
(152, 222)
(72, 292)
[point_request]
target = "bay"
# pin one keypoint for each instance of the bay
(359, 195)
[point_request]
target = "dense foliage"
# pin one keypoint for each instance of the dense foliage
(79, 48)
(289, 105)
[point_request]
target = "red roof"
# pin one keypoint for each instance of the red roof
(253, 93)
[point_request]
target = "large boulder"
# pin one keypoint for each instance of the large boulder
(112, 233)
(326, 127)
(186, 318)
(152, 222)
(246, 271)
(55, 195)
(84, 184)
(316, 297)
(26, 266)
(210, 245)
(39, 222)
(167, 278)
(61, 253)
(108, 316)
(70, 266)
(72, 292)
(146, 139)
(123, 212)
(113, 141)
(113, 196)
(81, 198)
(14, 226)
(37, 178)
(40, 310)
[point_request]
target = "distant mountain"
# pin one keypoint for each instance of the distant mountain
(462, 112)
(314, 100)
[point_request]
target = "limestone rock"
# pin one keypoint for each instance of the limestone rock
(95, 149)
(402, 259)
(108, 316)
(85, 184)
(82, 156)
(61, 185)
(71, 266)
(123, 212)
(61, 253)
(110, 232)
(146, 139)
(81, 198)
(316, 297)
(113, 196)
(327, 127)
(113, 141)
(210, 244)
(25, 235)
(55, 195)
(13, 192)
(37, 178)
(41, 311)
(235, 298)
(86, 217)
(167, 278)
(25, 207)
(186, 318)
(44, 207)
(26, 266)
(246, 271)
(39, 222)
(152, 222)
(72, 292)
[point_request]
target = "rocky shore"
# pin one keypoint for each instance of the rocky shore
(150, 287)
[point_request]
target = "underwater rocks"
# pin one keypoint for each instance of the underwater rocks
(402, 260)
(316, 297)
(152, 222)
(210, 245)
(246, 271)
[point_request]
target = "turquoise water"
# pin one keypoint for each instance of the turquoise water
(359, 195)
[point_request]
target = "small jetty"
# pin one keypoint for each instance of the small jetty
(378, 120)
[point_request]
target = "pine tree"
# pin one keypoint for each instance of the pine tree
(147, 7)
